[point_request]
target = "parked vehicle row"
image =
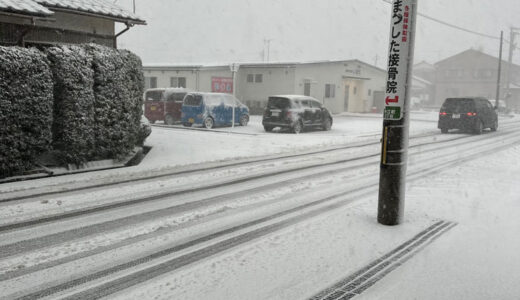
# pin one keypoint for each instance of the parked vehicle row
(180, 105)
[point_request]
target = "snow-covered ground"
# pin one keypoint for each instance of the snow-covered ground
(328, 241)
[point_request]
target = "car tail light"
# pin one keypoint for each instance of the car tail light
(288, 115)
(442, 113)
(471, 114)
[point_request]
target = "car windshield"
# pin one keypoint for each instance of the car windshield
(154, 95)
(192, 100)
(177, 97)
(459, 105)
(278, 103)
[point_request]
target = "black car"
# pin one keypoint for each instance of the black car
(296, 113)
(467, 113)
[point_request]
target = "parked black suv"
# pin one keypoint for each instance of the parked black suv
(296, 113)
(468, 113)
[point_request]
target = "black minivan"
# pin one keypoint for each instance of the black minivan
(467, 113)
(296, 113)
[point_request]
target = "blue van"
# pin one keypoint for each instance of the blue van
(212, 109)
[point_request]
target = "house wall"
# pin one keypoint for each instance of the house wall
(275, 81)
(471, 73)
(67, 28)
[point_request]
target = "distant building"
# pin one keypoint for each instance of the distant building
(36, 22)
(474, 73)
(342, 86)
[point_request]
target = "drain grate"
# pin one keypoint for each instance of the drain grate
(361, 280)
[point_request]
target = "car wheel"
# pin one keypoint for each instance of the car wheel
(186, 124)
(208, 123)
(479, 127)
(327, 124)
(169, 120)
(298, 127)
(444, 130)
(268, 128)
(244, 119)
(495, 126)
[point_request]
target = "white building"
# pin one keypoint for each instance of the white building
(342, 86)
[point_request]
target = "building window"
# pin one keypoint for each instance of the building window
(150, 82)
(307, 88)
(355, 90)
(258, 78)
(178, 82)
(369, 92)
(330, 90)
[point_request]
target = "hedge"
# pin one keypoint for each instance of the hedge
(25, 109)
(84, 101)
(73, 103)
(134, 78)
(115, 119)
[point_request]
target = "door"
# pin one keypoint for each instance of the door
(173, 105)
(347, 94)
(307, 112)
(154, 105)
(317, 112)
(307, 88)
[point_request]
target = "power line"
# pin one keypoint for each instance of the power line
(453, 26)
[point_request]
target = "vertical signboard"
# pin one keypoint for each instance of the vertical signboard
(394, 148)
(398, 59)
(222, 85)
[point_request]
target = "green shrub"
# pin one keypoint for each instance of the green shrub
(25, 108)
(73, 133)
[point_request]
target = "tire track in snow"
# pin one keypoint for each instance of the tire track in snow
(143, 275)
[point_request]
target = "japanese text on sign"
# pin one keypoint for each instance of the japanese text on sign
(222, 85)
(397, 60)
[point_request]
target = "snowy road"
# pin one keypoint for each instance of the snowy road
(107, 236)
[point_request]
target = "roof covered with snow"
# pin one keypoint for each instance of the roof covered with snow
(28, 7)
(100, 8)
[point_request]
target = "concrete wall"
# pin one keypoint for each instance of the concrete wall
(275, 81)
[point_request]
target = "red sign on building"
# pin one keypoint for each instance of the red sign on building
(222, 85)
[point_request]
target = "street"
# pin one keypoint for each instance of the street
(277, 215)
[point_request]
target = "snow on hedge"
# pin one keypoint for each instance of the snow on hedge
(73, 133)
(84, 101)
(116, 124)
(25, 108)
(134, 79)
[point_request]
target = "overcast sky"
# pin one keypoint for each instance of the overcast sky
(208, 31)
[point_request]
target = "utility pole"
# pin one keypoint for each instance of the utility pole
(512, 45)
(234, 69)
(268, 42)
(396, 118)
(499, 69)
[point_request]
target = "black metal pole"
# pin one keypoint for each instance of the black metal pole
(394, 146)
(499, 69)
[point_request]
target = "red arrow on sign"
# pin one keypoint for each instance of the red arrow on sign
(390, 100)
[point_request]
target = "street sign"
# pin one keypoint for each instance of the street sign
(398, 60)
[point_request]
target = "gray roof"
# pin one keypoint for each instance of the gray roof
(102, 8)
(28, 7)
